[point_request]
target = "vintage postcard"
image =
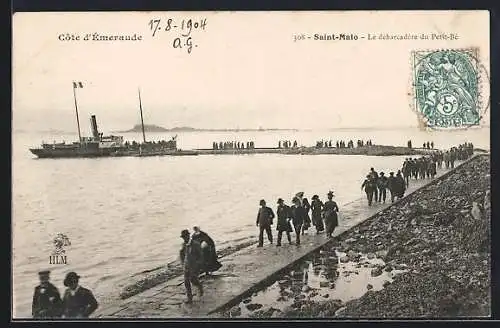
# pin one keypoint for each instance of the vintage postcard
(209, 165)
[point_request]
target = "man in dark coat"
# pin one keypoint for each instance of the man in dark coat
(330, 210)
(392, 184)
(265, 218)
(317, 208)
(401, 185)
(370, 186)
(210, 258)
(374, 179)
(47, 302)
(298, 218)
(382, 184)
(407, 170)
(192, 259)
(78, 302)
(284, 214)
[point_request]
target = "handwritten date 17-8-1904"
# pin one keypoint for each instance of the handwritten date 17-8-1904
(182, 29)
(184, 26)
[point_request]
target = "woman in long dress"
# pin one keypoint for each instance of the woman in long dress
(307, 221)
(210, 258)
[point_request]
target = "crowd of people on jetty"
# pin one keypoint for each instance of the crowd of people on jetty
(287, 144)
(233, 145)
(342, 144)
(425, 167)
(296, 218)
(77, 302)
(425, 145)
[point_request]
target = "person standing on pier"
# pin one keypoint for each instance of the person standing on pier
(374, 178)
(317, 208)
(298, 218)
(78, 302)
(369, 186)
(284, 214)
(191, 258)
(330, 210)
(399, 187)
(391, 183)
(47, 303)
(407, 171)
(265, 218)
(382, 184)
(307, 219)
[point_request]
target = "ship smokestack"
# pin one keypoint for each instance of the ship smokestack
(93, 123)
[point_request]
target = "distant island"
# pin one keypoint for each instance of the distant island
(157, 128)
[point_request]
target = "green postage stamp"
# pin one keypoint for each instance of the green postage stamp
(447, 88)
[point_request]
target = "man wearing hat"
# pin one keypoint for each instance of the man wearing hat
(299, 216)
(330, 209)
(78, 301)
(47, 302)
(192, 260)
(317, 207)
(392, 184)
(382, 184)
(284, 215)
(265, 218)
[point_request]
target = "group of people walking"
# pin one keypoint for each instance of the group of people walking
(197, 255)
(287, 144)
(342, 144)
(425, 145)
(296, 218)
(233, 145)
(376, 185)
(77, 302)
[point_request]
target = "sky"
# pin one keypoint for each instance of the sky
(245, 72)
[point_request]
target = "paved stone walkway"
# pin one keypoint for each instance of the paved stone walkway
(240, 273)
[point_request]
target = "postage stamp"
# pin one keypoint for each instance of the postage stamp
(447, 90)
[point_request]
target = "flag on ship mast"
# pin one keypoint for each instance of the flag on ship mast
(77, 85)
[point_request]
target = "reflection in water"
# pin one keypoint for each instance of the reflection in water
(318, 278)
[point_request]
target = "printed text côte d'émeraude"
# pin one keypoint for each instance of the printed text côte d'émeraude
(99, 37)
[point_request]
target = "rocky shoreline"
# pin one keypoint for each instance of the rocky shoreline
(428, 256)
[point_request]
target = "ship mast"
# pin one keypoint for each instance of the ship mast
(142, 120)
(76, 110)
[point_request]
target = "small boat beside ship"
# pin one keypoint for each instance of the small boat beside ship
(99, 145)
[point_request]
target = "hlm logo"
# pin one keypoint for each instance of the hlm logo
(58, 255)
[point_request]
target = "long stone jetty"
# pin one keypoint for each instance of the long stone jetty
(375, 150)
(243, 272)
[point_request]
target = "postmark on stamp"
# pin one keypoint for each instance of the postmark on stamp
(447, 88)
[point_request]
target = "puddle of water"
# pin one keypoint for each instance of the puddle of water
(321, 277)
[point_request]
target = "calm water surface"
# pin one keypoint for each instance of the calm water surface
(124, 215)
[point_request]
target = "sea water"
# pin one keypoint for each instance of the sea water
(124, 215)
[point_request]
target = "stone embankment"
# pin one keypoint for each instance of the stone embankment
(426, 256)
(375, 150)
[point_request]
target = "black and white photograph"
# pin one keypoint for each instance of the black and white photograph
(240, 165)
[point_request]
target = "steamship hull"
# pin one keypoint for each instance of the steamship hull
(71, 153)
